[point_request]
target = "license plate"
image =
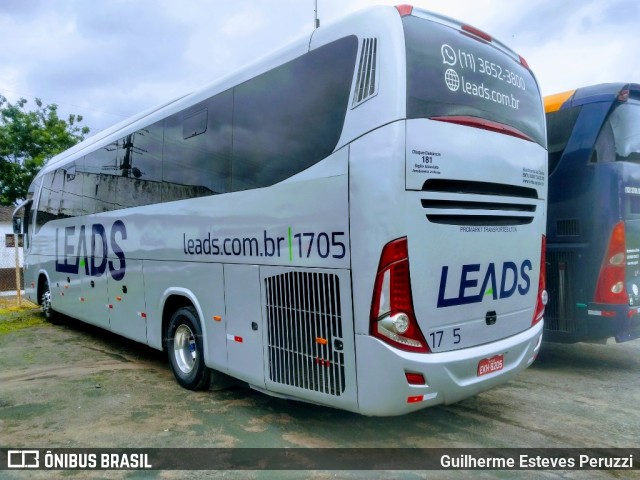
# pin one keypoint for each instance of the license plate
(490, 365)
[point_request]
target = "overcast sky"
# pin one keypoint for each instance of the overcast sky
(109, 59)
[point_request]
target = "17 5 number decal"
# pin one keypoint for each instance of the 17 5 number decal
(451, 337)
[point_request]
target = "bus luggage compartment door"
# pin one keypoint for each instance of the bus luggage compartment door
(245, 353)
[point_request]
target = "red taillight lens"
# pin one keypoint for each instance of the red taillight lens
(404, 10)
(623, 95)
(392, 317)
(542, 284)
(415, 378)
(484, 124)
(477, 32)
(611, 281)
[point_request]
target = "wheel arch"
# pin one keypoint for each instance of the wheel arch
(171, 301)
(42, 277)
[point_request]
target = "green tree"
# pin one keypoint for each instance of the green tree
(28, 139)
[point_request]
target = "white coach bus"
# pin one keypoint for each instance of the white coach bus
(355, 221)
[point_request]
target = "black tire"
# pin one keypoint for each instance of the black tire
(184, 347)
(45, 302)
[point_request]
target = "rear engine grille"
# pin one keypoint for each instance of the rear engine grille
(468, 203)
(305, 331)
(568, 228)
(559, 314)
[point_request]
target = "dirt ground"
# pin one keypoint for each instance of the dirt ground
(73, 385)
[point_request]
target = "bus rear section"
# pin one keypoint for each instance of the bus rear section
(456, 220)
(594, 214)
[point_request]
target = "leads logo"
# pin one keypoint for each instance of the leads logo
(512, 279)
(95, 261)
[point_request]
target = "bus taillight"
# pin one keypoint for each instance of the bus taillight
(543, 296)
(404, 10)
(392, 317)
(623, 96)
(477, 32)
(610, 287)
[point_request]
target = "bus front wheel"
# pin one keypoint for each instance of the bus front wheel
(185, 349)
(45, 302)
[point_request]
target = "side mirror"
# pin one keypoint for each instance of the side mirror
(17, 224)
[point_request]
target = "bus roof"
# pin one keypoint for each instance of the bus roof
(553, 102)
(352, 23)
(603, 92)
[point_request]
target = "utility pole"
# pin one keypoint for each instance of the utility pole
(316, 20)
(16, 240)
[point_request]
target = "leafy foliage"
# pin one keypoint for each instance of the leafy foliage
(28, 139)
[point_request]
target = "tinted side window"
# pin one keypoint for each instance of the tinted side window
(291, 117)
(139, 168)
(49, 204)
(99, 186)
(559, 127)
(72, 187)
(197, 157)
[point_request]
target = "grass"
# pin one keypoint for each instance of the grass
(14, 317)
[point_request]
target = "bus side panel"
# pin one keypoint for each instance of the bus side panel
(30, 274)
(376, 188)
(66, 288)
(95, 305)
(201, 284)
(127, 302)
(244, 324)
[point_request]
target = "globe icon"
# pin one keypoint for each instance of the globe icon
(451, 79)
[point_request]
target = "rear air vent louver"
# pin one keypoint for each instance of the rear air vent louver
(479, 204)
(366, 82)
(568, 228)
(304, 322)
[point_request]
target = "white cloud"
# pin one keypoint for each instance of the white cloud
(242, 24)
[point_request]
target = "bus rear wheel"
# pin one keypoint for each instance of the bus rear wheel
(185, 349)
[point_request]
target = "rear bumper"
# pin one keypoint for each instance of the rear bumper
(619, 321)
(450, 376)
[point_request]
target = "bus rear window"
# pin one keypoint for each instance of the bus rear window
(625, 124)
(451, 74)
(559, 127)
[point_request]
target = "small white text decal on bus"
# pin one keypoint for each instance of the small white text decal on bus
(424, 161)
(476, 65)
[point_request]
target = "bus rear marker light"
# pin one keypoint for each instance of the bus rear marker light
(323, 362)
(415, 378)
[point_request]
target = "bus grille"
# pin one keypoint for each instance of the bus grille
(366, 82)
(568, 228)
(305, 331)
(559, 314)
(470, 203)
